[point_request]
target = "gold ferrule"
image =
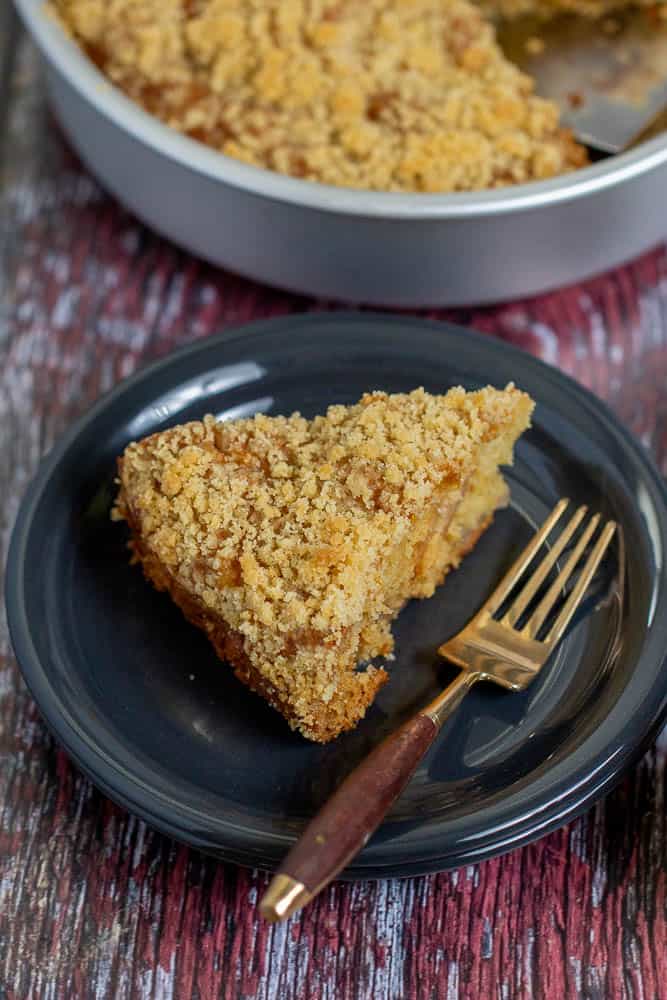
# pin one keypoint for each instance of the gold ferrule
(283, 898)
(449, 700)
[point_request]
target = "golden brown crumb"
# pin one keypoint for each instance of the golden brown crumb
(293, 543)
(408, 95)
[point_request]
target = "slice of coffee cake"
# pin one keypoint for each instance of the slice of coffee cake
(293, 543)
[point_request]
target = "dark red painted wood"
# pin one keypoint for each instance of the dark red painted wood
(93, 904)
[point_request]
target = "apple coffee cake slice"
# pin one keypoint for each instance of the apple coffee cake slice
(293, 543)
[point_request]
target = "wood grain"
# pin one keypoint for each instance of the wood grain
(95, 905)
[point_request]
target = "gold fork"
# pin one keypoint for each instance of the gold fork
(488, 649)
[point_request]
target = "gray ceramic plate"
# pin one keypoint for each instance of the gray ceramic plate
(139, 700)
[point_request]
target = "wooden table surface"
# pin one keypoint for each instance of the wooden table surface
(95, 904)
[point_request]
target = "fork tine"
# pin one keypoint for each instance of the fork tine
(536, 620)
(538, 577)
(524, 560)
(578, 591)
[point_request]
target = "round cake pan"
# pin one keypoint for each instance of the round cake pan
(358, 246)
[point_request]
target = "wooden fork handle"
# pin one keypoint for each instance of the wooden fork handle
(343, 825)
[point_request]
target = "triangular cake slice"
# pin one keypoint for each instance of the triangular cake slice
(293, 543)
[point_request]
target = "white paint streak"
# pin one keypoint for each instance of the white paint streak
(598, 334)
(65, 308)
(487, 939)
(575, 963)
(598, 885)
(390, 920)
(548, 342)
(164, 981)
(453, 981)
(528, 957)
(652, 325)
(578, 840)
(275, 948)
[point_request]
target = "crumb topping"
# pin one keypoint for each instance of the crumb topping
(407, 95)
(279, 516)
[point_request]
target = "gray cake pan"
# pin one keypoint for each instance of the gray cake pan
(358, 246)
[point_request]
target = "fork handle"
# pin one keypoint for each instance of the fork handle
(343, 825)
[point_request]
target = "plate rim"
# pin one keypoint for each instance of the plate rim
(574, 801)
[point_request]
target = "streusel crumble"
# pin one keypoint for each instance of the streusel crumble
(293, 543)
(391, 95)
